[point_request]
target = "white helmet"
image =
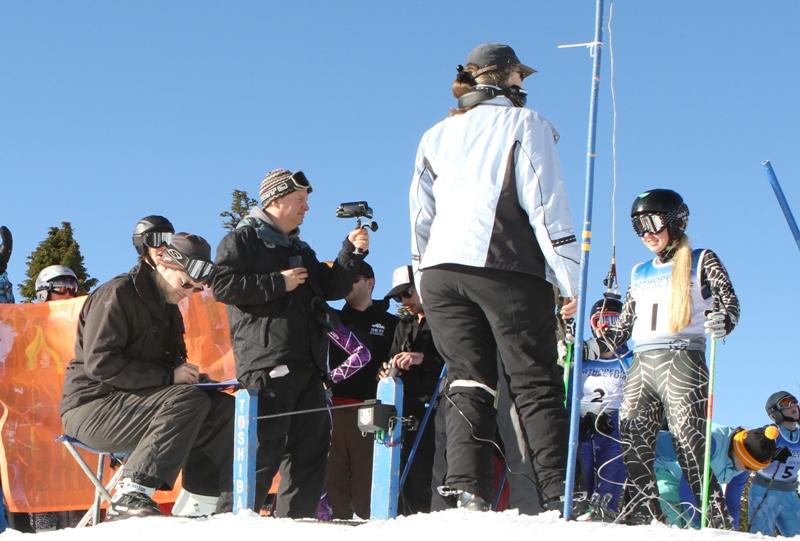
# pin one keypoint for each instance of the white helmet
(52, 277)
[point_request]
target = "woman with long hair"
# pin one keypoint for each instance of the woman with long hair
(672, 302)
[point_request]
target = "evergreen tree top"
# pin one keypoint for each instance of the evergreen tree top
(59, 248)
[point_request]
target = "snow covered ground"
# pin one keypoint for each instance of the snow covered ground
(453, 525)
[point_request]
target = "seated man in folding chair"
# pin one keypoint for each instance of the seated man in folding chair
(130, 389)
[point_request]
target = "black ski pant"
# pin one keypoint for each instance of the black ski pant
(295, 445)
(673, 384)
(165, 430)
(476, 314)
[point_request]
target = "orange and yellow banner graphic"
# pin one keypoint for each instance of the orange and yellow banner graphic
(36, 345)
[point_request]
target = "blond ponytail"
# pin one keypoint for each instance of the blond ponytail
(680, 302)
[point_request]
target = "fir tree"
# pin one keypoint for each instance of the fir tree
(240, 206)
(59, 248)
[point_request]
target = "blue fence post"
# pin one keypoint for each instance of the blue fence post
(245, 442)
(386, 457)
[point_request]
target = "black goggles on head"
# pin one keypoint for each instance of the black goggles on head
(649, 223)
(297, 181)
(155, 239)
(198, 270)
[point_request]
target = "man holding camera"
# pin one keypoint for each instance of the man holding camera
(276, 289)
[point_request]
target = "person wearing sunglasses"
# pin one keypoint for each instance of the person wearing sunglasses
(419, 365)
(130, 387)
(735, 452)
(276, 290)
(773, 502)
(492, 234)
(672, 303)
(56, 283)
(602, 380)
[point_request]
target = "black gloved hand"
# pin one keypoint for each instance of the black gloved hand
(782, 454)
(605, 424)
(5, 249)
(588, 423)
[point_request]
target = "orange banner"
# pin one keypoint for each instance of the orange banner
(36, 345)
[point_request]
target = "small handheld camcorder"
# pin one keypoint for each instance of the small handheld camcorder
(357, 210)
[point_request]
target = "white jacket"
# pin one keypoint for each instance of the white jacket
(488, 192)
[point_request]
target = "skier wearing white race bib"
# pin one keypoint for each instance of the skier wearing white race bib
(673, 300)
(602, 381)
(773, 501)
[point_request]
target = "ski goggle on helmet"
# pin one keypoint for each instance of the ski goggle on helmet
(605, 313)
(191, 254)
(655, 210)
(786, 402)
(65, 286)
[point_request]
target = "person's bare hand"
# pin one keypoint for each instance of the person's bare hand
(569, 308)
(407, 359)
(384, 372)
(294, 277)
(186, 373)
(360, 239)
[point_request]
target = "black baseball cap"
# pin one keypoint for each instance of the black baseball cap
(495, 56)
(366, 271)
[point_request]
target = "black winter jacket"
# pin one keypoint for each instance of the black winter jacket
(270, 326)
(128, 338)
(420, 380)
(374, 327)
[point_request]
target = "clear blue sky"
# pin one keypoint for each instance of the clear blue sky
(110, 111)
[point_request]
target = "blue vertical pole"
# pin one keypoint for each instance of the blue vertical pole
(787, 212)
(577, 358)
(245, 443)
(386, 456)
(422, 425)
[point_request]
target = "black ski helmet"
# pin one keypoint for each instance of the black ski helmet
(773, 406)
(151, 231)
(667, 204)
(606, 305)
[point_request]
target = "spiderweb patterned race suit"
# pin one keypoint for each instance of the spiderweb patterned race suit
(668, 377)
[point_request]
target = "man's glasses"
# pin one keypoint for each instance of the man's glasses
(407, 294)
(189, 285)
(787, 402)
(648, 223)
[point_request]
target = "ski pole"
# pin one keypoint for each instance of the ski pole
(501, 485)
(709, 415)
(422, 427)
(787, 212)
(766, 492)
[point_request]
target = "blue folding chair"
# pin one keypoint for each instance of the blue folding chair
(101, 492)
